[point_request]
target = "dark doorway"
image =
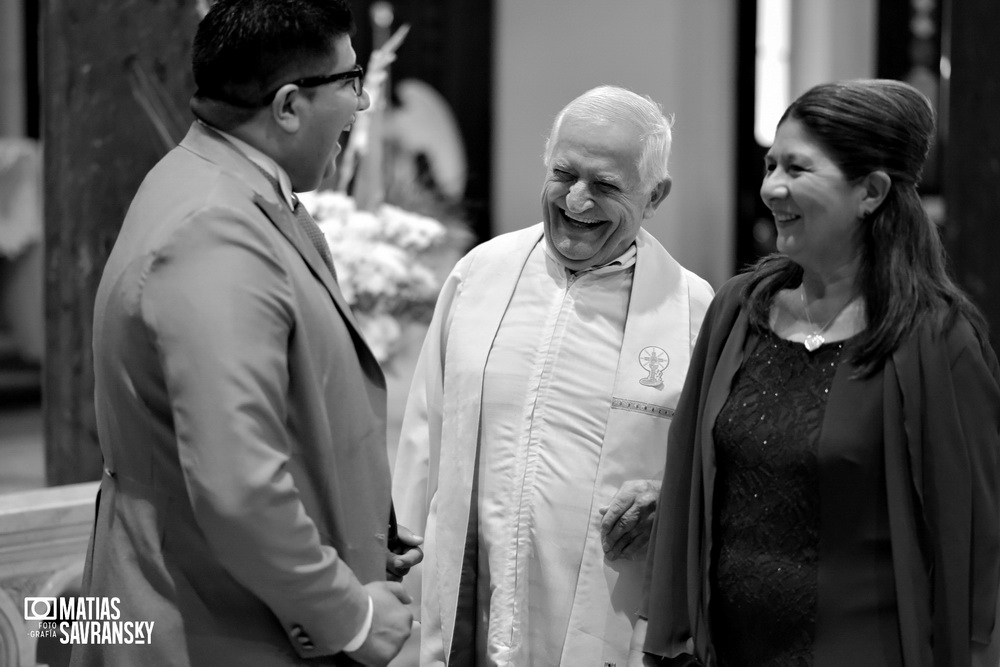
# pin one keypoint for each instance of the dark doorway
(449, 46)
(755, 234)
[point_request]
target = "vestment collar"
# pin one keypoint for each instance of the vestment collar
(620, 263)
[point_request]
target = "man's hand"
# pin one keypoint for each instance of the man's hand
(392, 621)
(403, 554)
(628, 519)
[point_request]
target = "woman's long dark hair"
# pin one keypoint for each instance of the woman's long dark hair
(867, 125)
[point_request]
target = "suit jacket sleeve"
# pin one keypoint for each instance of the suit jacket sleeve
(219, 305)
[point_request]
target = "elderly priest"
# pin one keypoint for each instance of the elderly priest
(534, 436)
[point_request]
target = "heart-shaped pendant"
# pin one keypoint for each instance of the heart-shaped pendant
(813, 341)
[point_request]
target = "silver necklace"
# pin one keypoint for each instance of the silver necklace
(816, 338)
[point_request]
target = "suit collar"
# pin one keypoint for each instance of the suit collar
(209, 144)
(263, 161)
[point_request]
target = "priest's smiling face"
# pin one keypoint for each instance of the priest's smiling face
(593, 199)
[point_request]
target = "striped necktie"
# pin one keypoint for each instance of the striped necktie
(307, 223)
(315, 235)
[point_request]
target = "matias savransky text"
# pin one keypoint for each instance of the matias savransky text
(85, 620)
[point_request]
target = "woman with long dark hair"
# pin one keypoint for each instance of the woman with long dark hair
(831, 488)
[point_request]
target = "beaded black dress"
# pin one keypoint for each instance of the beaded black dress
(792, 502)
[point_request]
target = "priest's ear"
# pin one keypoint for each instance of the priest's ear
(656, 196)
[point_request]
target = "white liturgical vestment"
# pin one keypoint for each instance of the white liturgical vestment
(546, 396)
(538, 393)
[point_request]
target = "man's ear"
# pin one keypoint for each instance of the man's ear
(876, 188)
(286, 108)
(656, 197)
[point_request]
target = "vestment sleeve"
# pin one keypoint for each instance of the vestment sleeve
(415, 472)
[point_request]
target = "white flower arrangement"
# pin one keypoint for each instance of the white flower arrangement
(383, 264)
(390, 261)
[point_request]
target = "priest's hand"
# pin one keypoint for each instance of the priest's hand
(404, 553)
(629, 518)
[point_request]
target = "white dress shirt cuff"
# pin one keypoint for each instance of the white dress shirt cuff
(362, 635)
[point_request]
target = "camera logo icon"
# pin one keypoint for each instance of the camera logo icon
(40, 609)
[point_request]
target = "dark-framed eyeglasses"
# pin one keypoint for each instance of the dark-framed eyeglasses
(355, 75)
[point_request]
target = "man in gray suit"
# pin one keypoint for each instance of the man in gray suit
(245, 506)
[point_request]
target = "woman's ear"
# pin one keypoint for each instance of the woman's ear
(285, 108)
(876, 188)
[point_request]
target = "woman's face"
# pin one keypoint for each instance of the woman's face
(817, 212)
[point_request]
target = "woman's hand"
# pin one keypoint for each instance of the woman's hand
(636, 658)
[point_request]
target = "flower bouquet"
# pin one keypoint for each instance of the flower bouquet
(384, 261)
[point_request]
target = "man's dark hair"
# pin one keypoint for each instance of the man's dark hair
(244, 49)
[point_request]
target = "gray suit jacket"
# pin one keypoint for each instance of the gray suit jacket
(242, 423)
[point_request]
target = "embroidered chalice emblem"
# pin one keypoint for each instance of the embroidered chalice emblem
(653, 360)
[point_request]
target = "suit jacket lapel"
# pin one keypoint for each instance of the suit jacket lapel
(286, 223)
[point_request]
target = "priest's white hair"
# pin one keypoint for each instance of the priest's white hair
(615, 105)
